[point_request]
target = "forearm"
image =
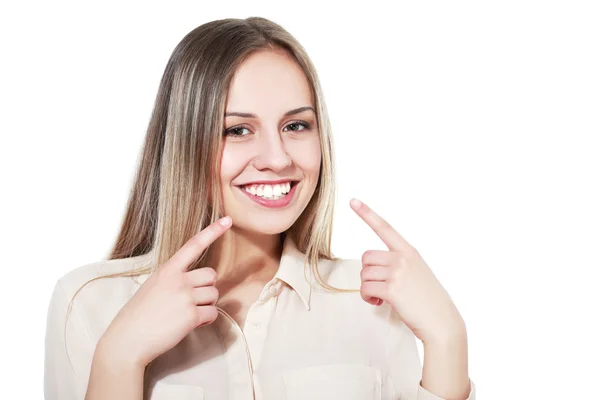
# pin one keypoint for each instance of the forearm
(114, 379)
(445, 368)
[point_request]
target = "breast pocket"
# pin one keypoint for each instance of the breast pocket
(172, 391)
(338, 381)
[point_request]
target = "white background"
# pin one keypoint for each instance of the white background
(472, 127)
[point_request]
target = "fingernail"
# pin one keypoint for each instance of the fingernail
(355, 203)
(225, 221)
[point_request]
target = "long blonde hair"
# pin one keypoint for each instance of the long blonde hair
(179, 163)
(178, 167)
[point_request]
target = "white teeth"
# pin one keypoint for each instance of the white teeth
(271, 192)
(268, 191)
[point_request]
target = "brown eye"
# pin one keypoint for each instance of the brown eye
(297, 125)
(235, 131)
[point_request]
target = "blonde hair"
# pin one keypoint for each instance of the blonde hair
(178, 167)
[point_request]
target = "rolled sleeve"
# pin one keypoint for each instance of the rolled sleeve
(424, 394)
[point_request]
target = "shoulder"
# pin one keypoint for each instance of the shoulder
(94, 295)
(348, 305)
(344, 273)
(341, 272)
(90, 275)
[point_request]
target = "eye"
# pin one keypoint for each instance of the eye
(235, 131)
(298, 124)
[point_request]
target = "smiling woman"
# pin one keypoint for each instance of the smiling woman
(278, 143)
(221, 283)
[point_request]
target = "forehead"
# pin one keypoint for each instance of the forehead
(268, 83)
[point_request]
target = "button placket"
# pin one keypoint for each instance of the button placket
(256, 329)
(241, 373)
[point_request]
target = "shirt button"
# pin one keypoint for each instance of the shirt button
(256, 325)
(272, 290)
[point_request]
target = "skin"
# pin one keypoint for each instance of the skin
(401, 278)
(170, 304)
(270, 147)
(173, 301)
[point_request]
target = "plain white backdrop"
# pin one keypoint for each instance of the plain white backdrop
(472, 127)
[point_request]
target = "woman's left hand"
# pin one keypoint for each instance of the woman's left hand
(401, 278)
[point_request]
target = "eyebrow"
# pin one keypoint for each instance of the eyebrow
(250, 115)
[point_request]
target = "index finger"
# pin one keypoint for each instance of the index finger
(191, 250)
(392, 239)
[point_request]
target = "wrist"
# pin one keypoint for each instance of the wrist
(451, 336)
(113, 375)
(445, 366)
(109, 354)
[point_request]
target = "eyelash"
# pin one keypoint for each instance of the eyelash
(229, 132)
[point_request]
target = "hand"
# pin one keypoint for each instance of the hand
(170, 304)
(401, 278)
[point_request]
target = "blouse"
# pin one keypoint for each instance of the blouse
(299, 341)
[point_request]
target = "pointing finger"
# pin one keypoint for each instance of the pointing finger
(194, 247)
(381, 227)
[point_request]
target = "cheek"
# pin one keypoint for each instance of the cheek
(307, 156)
(232, 164)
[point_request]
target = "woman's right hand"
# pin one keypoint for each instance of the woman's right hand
(170, 304)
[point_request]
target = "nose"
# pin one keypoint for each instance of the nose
(271, 152)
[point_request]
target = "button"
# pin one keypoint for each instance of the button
(256, 325)
(272, 290)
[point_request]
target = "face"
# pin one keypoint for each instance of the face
(271, 148)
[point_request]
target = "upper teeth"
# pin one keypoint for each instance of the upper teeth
(269, 190)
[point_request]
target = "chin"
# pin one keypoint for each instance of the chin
(264, 227)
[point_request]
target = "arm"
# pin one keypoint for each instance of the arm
(444, 374)
(402, 279)
(112, 378)
(445, 369)
(70, 357)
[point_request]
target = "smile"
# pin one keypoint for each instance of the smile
(271, 195)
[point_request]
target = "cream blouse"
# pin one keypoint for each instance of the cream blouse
(298, 342)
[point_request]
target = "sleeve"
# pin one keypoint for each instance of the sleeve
(67, 361)
(405, 364)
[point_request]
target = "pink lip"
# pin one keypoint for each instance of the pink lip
(269, 182)
(284, 201)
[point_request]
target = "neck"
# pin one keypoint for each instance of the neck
(241, 256)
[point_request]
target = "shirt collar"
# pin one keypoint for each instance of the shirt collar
(292, 270)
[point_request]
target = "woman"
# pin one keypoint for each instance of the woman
(221, 283)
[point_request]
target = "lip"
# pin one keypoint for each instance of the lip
(279, 203)
(269, 182)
